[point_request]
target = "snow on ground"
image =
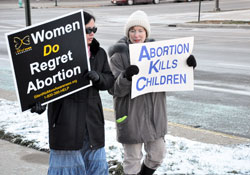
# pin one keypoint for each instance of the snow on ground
(183, 156)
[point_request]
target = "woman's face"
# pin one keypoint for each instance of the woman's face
(137, 34)
(90, 31)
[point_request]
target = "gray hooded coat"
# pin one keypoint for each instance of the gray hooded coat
(146, 114)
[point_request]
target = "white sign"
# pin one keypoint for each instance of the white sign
(162, 66)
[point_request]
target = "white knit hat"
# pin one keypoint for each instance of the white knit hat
(138, 18)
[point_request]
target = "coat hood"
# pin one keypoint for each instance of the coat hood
(94, 46)
(122, 46)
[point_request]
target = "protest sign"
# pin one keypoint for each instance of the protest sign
(49, 59)
(162, 66)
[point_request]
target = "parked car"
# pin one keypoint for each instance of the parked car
(186, 0)
(132, 2)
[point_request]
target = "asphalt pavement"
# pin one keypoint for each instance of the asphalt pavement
(20, 160)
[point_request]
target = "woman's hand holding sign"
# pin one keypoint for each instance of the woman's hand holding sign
(191, 61)
(38, 108)
(131, 71)
(93, 75)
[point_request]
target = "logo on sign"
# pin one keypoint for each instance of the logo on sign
(22, 45)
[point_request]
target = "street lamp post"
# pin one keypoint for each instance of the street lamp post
(27, 13)
(217, 6)
(199, 11)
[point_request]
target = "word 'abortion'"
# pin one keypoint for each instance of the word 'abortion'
(51, 65)
(170, 79)
(163, 51)
(50, 34)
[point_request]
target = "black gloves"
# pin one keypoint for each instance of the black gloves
(191, 61)
(38, 108)
(131, 71)
(93, 75)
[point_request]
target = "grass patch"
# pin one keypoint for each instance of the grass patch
(115, 167)
(20, 140)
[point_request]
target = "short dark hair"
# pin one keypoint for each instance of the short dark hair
(88, 17)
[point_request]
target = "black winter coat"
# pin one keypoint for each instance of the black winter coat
(81, 113)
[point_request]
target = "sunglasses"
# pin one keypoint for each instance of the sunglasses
(90, 30)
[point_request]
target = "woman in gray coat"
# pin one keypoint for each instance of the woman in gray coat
(141, 120)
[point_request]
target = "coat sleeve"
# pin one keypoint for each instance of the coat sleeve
(122, 86)
(106, 77)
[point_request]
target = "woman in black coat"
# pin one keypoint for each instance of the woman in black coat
(76, 122)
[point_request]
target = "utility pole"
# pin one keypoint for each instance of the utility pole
(199, 15)
(216, 6)
(27, 13)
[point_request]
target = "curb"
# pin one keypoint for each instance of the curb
(74, 4)
(228, 26)
(195, 134)
(215, 133)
